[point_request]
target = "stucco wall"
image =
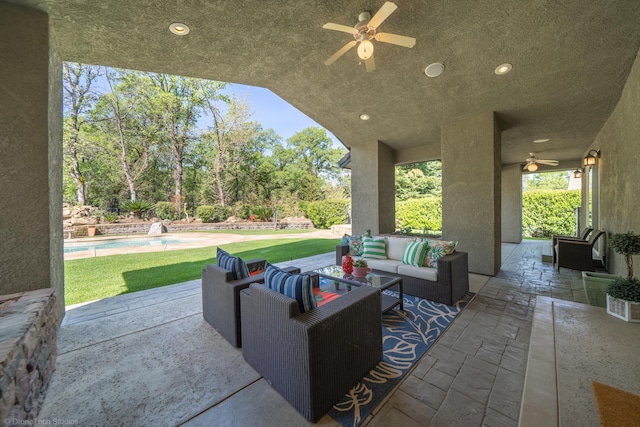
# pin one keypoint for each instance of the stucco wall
(619, 142)
(372, 188)
(471, 191)
(31, 155)
(512, 204)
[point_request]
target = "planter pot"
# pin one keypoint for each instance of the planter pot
(360, 271)
(595, 286)
(91, 231)
(625, 310)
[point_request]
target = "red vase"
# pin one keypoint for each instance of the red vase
(347, 264)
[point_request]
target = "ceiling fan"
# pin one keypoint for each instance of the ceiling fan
(533, 162)
(365, 31)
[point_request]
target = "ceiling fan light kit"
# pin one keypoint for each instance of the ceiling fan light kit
(533, 162)
(364, 32)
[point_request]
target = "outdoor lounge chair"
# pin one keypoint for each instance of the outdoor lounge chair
(583, 236)
(314, 358)
(221, 298)
(577, 254)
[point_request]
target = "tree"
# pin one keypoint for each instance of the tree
(418, 180)
(120, 116)
(546, 181)
(77, 81)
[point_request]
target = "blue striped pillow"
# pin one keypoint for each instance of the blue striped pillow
(296, 286)
(235, 265)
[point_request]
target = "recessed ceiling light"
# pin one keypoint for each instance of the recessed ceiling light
(179, 29)
(503, 69)
(434, 70)
(541, 140)
(364, 117)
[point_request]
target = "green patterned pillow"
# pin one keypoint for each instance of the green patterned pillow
(438, 249)
(374, 248)
(355, 245)
(414, 253)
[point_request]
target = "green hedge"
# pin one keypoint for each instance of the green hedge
(420, 214)
(325, 213)
(546, 213)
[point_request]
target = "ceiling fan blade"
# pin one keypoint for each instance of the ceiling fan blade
(548, 162)
(527, 165)
(339, 27)
(383, 13)
(339, 53)
(370, 64)
(396, 39)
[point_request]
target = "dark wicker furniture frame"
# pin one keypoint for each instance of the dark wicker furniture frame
(221, 298)
(452, 284)
(311, 359)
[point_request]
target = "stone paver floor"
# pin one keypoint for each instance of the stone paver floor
(473, 376)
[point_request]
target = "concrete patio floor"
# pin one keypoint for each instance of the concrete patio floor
(148, 358)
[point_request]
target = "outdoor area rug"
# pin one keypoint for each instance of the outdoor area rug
(617, 408)
(406, 338)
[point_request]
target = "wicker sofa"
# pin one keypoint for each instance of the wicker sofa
(221, 298)
(311, 359)
(446, 284)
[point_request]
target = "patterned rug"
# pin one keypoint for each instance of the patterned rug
(406, 338)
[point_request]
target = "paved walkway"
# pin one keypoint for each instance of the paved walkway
(473, 376)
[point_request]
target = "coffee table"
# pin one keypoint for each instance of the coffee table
(377, 280)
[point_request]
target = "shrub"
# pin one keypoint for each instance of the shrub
(205, 213)
(110, 217)
(263, 213)
(244, 211)
(546, 213)
(420, 214)
(215, 213)
(325, 213)
(138, 207)
(626, 289)
(165, 210)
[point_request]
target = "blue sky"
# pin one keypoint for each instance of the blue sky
(273, 112)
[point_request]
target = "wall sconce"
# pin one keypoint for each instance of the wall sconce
(590, 160)
(577, 173)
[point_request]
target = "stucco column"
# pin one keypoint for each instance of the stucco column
(512, 204)
(471, 190)
(30, 155)
(372, 189)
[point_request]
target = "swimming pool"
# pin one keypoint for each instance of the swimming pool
(124, 243)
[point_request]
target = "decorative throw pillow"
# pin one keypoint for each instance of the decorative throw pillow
(438, 249)
(235, 265)
(414, 253)
(374, 248)
(355, 245)
(296, 286)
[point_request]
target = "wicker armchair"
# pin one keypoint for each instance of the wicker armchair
(576, 254)
(583, 236)
(312, 359)
(221, 298)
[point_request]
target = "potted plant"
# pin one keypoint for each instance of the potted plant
(623, 294)
(360, 268)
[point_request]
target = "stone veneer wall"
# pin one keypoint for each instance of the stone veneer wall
(28, 335)
(105, 229)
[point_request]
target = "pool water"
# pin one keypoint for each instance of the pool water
(123, 243)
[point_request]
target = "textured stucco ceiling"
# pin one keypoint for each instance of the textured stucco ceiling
(570, 61)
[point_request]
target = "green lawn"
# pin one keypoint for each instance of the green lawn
(89, 279)
(260, 232)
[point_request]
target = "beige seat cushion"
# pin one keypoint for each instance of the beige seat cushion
(388, 265)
